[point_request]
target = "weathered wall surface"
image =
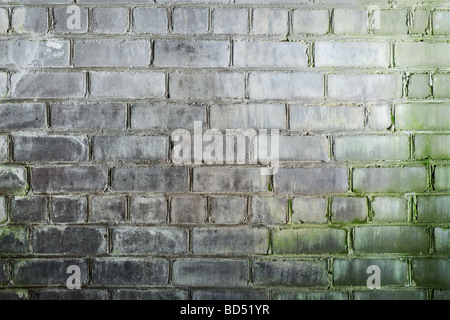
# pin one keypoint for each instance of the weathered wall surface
(91, 97)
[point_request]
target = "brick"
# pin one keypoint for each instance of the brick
(310, 296)
(206, 85)
(311, 180)
(433, 209)
(290, 273)
(326, 117)
(441, 85)
(111, 53)
(50, 148)
(268, 210)
(265, 85)
(125, 272)
(14, 240)
(190, 20)
(89, 294)
(229, 295)
(150, 148)
(350, 21)
(380, 117)
(209, 179)
(400, 179)
(441, 23)
(109, 20)
(107, 209)
(390, 22)
(442, 178)
(61, 17)
(3, 272)
(309, 210)
(229, 241)
(349, 210)
(69, 240)
(148, 209)
(227, 210)
(389, 209)
(390, 295)
(432, 146)
(441, 237)
(303, 148)
(14, 294)
(3, 84)
(441, 294)
(270, 21)
(310, 21)
(156, 179)
(4, 149)
(365, 86)
(422, 117)
(372, 147)
(68, 179)
(88, 116)
(127, 85)
(149, 240)
(351, 54)
(46, 272)
(195, 54)
(188, 210)
(431, 272)
(353, 272)
(230, 21)
(150, 20)
(420, 22)
(210, 272)
(4, 20)
(390, 239)
(309, 241)
(66, 209)
(34, 54)
(4, 213)
(29, 20)
(270, 54)
(48, 85)
(12, 179)
(268, 1)
(418, 86)
(166, 117)
(426, 54)
(149, 294)
(28, 209)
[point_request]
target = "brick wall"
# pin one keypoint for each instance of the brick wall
(358, 91)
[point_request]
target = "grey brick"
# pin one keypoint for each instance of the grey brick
(418, 86)
(290, 273)
(149, 294)
(311, 180)
(206, 85)
(303, 148)
(22, 116)
(66, 209)
(432, 146)
(4, 149)
(389, 209)
(28, 209)
(310, 21)
(426, 54)
(441, 237)
(190, 20)
(12, 179)
(89, 294)
(29, 20)
(309, 210)
(230, 21)
(270, 54)
(148, 209)
(14, 240)
(46, 272)
(210, 272)
(150, 148)
(433, 209)
(34, 54)
(3, 272)
(150, 20)
(188, 210)
(4, 213)
(440, 22)
(120, 272)
(3, 84)
(127, 85)
(149, 240)
(166, 117)
(289, 295)
(442, 178)
(88, 116)
(48, 85)
(184, 54)
(422, 116)
(430, 272)
(107, 209)
(111, 53)
(380, 117)
(110, 20)
(391, 22)
(69, 240)
(326, 117)
(390, 295)
(220, 294)
(349, 209)
(4, 20)
(227, 210)
(229, 241)
(68, 179)
(268, 210)
(265, 85)
(61, 16)
(14, 294)
(270, 21)
(50, 148)
(156, 179)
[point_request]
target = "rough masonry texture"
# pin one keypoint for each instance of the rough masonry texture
(359, 91)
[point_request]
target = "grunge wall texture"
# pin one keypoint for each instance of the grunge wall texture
(359, 89)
